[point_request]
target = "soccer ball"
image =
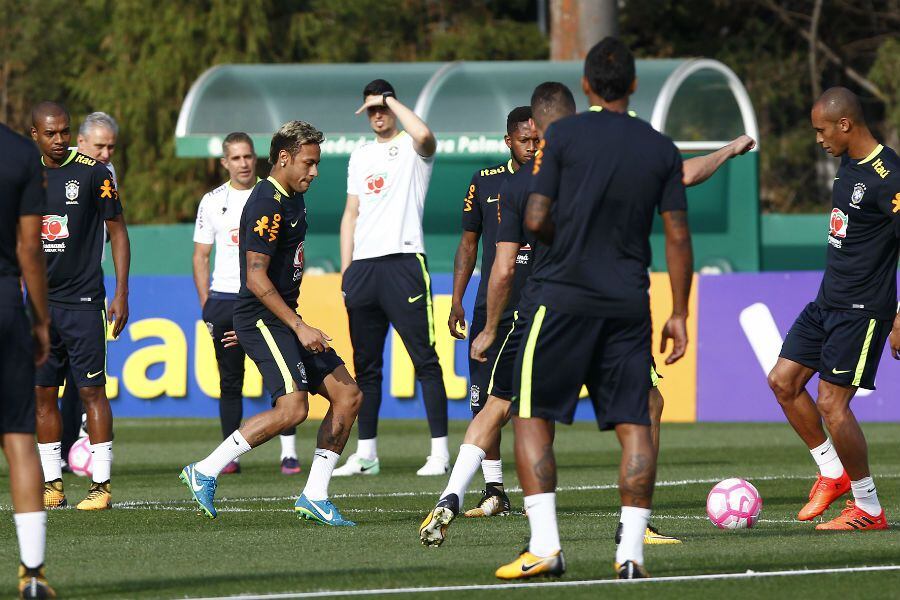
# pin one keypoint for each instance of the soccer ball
(733, 504)
(81, 461)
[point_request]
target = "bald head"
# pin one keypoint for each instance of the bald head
(48, 109)
(839, 102)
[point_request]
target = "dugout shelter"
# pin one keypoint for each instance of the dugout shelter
(700, 103)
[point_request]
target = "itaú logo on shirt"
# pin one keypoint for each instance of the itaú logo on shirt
(54, 227)
(375, 184)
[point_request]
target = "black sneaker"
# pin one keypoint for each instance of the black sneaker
(494, 502)
(631, 570)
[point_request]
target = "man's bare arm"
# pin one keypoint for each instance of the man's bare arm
(537, 217)
(424, 141)
(680, 261)
(200, 261)
(348, 228)
(30, 252)
(463, 267)
(121, 254)
(500, 283)
(700, 168)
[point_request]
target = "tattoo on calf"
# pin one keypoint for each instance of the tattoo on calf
(637, 480)
(545, 469)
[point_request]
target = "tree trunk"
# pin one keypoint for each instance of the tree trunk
(576, 25)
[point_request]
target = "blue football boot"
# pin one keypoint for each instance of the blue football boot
(321, 511)
(202, 487)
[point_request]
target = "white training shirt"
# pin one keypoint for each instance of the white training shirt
(391, 180)
(218, 222)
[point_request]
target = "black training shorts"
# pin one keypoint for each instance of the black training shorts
(77, 338)
(16, 372)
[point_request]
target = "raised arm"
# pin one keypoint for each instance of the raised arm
(348, 228)
(680, 261)
(423, 139)
(200, 261)
(700, 168)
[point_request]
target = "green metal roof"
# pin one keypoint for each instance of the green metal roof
(700, 103)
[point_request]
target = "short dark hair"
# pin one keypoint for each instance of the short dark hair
(551, 100)
(519, 114)
(377, 87)
(46, 109)
(291, 136)
(236, 137)
(609, 69)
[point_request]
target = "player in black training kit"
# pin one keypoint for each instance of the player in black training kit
(81, 197)
(22, 205)
(592, 323)
(293, 357)
(841, 334)
(479, 219)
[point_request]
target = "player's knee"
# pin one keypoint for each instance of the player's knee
(92, 395)
(355, 398)
(785, 389)
(428, 366)
(293, 415)
(656, 402)
(831, 407)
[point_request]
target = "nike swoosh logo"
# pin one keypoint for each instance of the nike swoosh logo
(294, 223)
(92, 375)
(836, 372)
(526, 568)
(325, 516)
(489, 200)
(194, 485)
(870, 491)
(363, 469)
(412, 299)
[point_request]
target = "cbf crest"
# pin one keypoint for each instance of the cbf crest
(859, 191)
(72, 189)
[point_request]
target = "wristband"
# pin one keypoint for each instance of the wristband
(385, 96)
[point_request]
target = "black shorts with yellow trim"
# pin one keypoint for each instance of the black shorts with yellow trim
(77, 339)
(502, 380)
(843, 346)
(481, 374)
(286, 366)
(655, 377)
(562, 352)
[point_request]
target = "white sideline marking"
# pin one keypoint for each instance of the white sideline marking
(563, 488)
(558, 584)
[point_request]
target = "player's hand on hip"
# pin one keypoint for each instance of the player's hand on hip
(675, 329)
(118, 312)
(457, 321)
(229, 339)
(41, 334)
(481, 344)
(370, 101)
(314, 340)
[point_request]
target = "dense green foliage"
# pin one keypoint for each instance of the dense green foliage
(152, 544)
(137, 59)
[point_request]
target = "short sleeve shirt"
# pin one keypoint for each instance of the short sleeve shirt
(218, 223)
(863, 231)
(273, 223)
(510, 217)
(21, 193)
(81, 195)
(479, 215)
(608, 173)
(391, 181)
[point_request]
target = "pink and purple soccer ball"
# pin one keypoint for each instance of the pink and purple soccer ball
(81, 461)
(733, 504)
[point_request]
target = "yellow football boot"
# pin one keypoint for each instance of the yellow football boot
(33, 583)
(98, 498)
(54, 496)
(528, 565)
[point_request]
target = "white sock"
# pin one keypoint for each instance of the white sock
(323, 464)
(467, 462)
(51, 455)
(31, 529)
(865, 496)
(826, 457)
(367, 449)
(288, 446)
(634, 523)
(102, 461)
(492, 470)
(233, 446)
(541, 509)
(440, 448)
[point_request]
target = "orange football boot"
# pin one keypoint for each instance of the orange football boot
(824, 491)
(853, 518)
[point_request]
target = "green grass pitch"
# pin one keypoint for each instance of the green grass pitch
(153, 544)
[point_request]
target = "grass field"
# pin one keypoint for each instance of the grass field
(154, 545)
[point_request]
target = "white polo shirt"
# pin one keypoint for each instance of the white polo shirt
(218, 222)
(391, 181)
